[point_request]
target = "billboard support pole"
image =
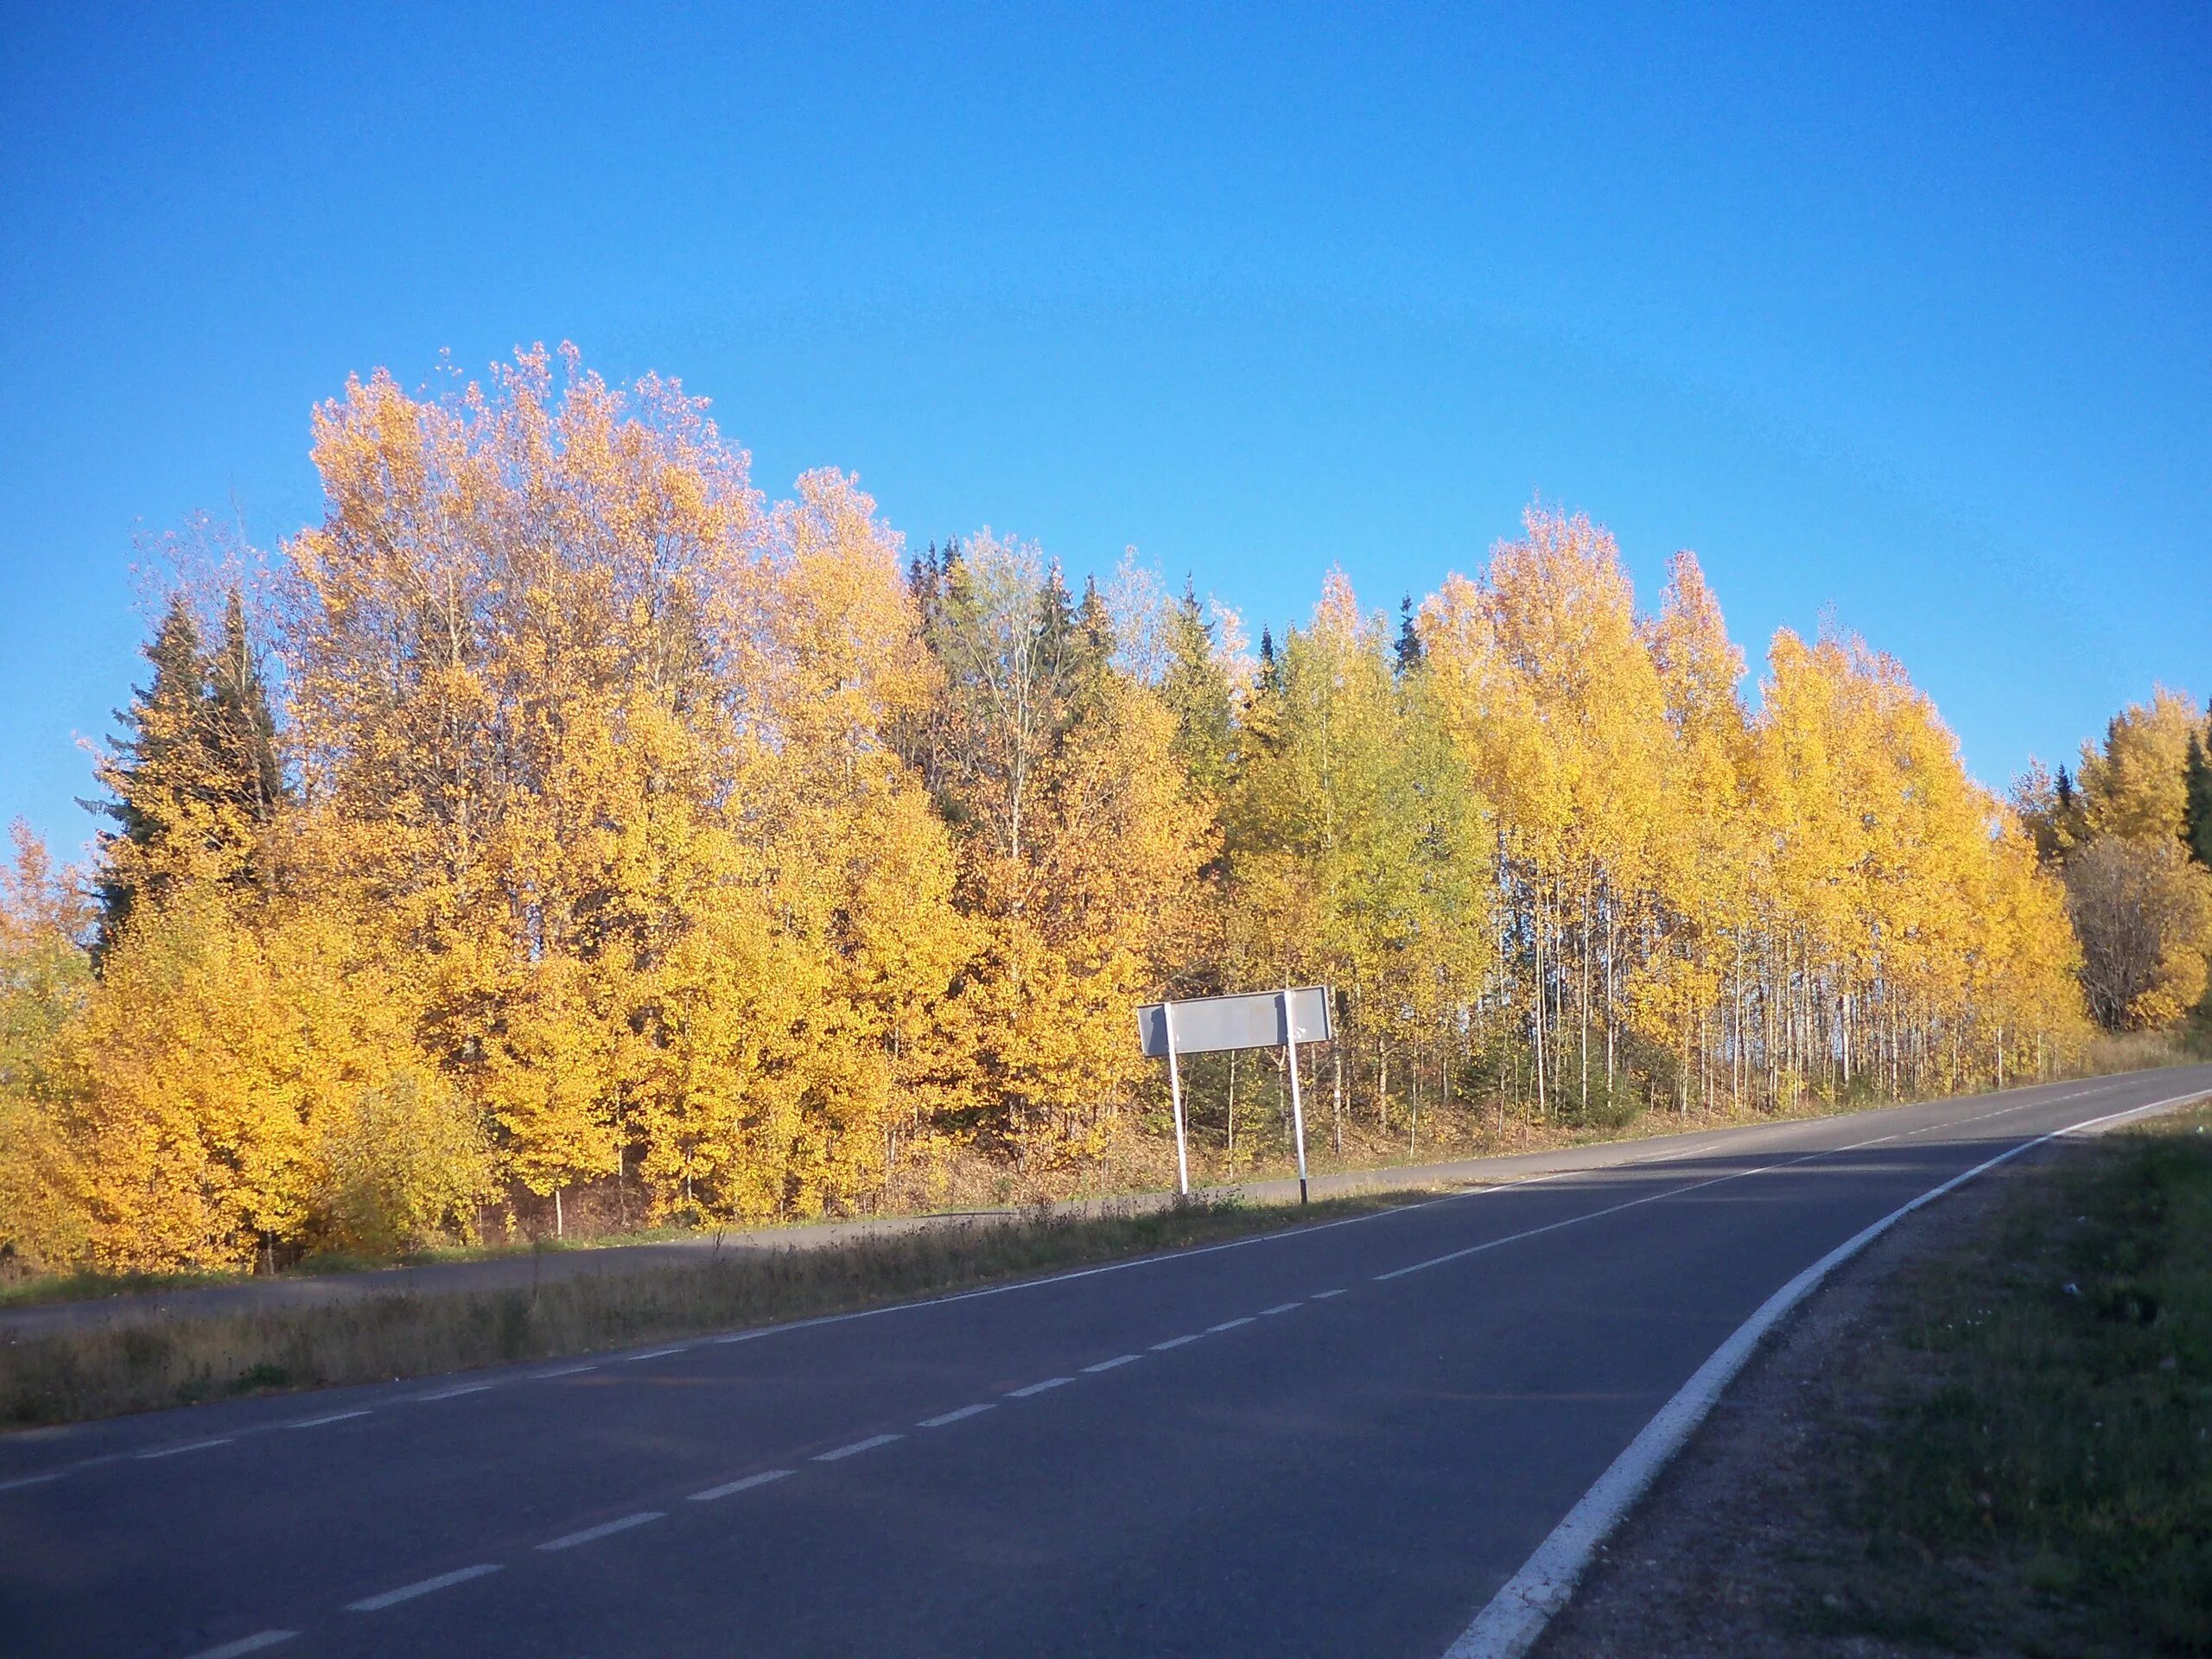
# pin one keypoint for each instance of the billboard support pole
(1175, 1092)
(1297, 1107)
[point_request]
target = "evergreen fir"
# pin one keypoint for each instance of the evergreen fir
(193, 773)
(2196, 803)
(241, 729)
(149, 762)
(1196, 691)
(1090, 646)
(1409, 649)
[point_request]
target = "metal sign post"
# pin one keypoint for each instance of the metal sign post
(1208, 1025)
(1175, 1089)
(1297, 1108)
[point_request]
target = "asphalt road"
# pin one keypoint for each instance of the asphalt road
(1339, 1439)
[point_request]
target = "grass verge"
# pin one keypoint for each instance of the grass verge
(103, 1371)
(2035, 1475)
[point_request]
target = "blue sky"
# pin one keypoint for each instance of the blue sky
(1903, 316)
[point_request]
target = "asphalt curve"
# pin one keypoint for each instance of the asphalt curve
(1341, 1439)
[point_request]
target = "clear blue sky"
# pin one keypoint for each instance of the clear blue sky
(1905, 314)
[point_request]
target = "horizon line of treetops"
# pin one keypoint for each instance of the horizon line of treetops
(559, 814)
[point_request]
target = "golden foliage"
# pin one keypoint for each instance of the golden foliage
(633, 832)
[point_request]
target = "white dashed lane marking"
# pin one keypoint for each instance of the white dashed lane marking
(728, 1488)
(189, 1446)
(1324, 1295)
(1280, 1307)
(605, 1529)
(856, 1447)
(1175, 1342)
(246, 1644)
(28, 1480)
(1108, 1364)
(420, 1587)
(1038, 1388)
(332, 1417)
(563, 1370)
(960, 1416)
(650, 1353)
(1228, 1325)
(451, 1393)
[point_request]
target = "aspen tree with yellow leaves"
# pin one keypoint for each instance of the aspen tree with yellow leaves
(2124, 840)
(46, 978)
(571, 836)
(1554, 699)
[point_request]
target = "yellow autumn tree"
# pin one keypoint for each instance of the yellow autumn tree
(45, 979)
(2132, 784)
(579, 828)
(1553, 697)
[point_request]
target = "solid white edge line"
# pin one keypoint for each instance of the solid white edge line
(727, 1488)
(420, 1587)
(1509, 1623)
(732, 1487)
(839, 1454)
(1038, 1388)
(246, 1644)
(604, 1530)
(943, 1418)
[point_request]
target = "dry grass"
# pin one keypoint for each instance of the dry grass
(2139, 1050)
(105, 1370)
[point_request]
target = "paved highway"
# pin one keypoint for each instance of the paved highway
(1338, 1440)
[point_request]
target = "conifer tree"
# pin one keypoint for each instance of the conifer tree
(1408, 645)
(242, 729)
(150, 768)
(2196, 804)
(195, 774)
(1091, 660)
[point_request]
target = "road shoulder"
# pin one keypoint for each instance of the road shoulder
(1760, 1536)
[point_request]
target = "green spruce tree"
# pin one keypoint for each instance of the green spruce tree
(150, 767)
(241, 729)
(1408, 645)
(193, 774)
(2196, 802)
